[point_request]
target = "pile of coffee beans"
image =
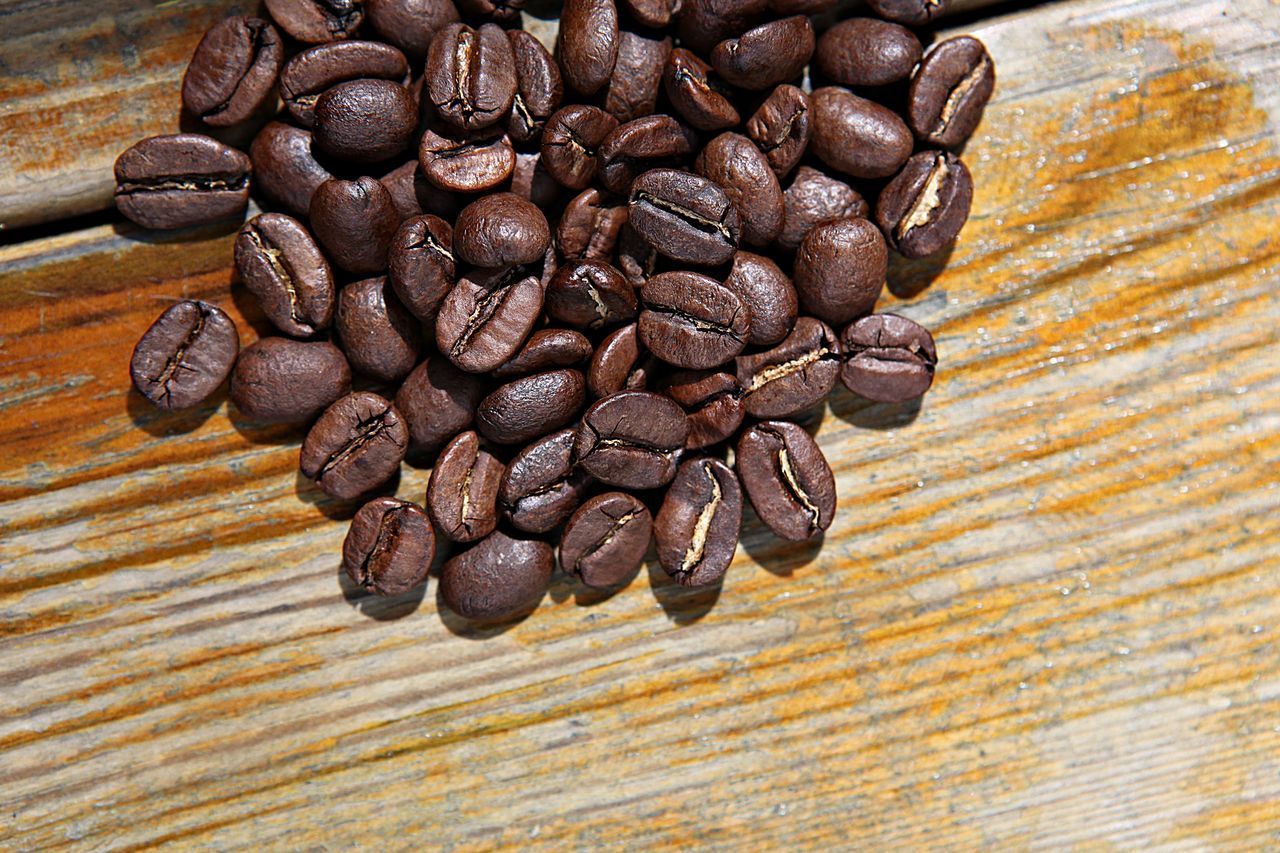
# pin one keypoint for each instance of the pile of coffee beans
(594, 288)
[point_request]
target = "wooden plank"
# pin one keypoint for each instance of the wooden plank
(1045, 616)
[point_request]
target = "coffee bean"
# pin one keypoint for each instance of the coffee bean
(652, 13)
(764, 56)
(410, 24)
(856, 136)
(486, 317)
(501, 230)
(589, 226)
(547, 349)
(642, 144)
(570, 140)
(922, 210)
(531, 406)
(389, 548)
(705, 23)
(632, 439)
(787, 478)
(589, 295)
(355, 447)
(498, 11)
(365, 121)
(185, 355)
(949, 92)
(840, 269)
(813, 198)
(541, 486)
(283, 267)
(768, 295)
(355, 221)
(539, 89)
(421, 266)
(632, 91)
(888, 358)
(713, 402)
(181, 180)
(465, 163)
(793, 376)
(462, 494)
(233, 71)
(286, 171)
(619, 364)
(697, 527)
(500, 577)
(379, 335)
(780, 128)
(531, 181)
(692, 321)
(306, 77)
(801, 7)
(471, 76)
(684, 216)
(606, 539)
(438, 401)
(701, 99)
(587, 46)
(867, 52)
(413, 195)
(738, 168)
(637, 259)
(278, 380)
(913, 13)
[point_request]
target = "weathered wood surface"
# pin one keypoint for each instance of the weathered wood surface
(1046, 614)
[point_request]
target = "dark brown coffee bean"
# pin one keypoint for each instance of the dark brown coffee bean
(633, 87)
(701, 99)
(587, 46)
(856, 136)
(840, 269)
(692, 321)
(793, 376)
(913, 13)
(410, 24)
(501, 230)
(539, 89)
(421, 265)
(801, 7)
(317, 21)
(606, 539)
(632, 439)
(768, 294)
(365, 121)
(738, 168)
(278, 380)
(438, 401)
(471, 76)
(762, 57)
(185, 355)
(414, 195)
(589, 295)
(787, 478)
(525, 408)
(547, 349)
(698, 525)
(705, 23)
(500, 577)
(283, 267)
(389, 548)
(780, 128)
(646, 143)
(498, 11)
(652, 13)
(589, 226)
(867, 52)
(462, 494)
(233, 71)
(570, 140)
(684, 216)
(949, 92)
(286, 172)
(379, 335)
(531, 181)
(541, 486)
(306, 77)
(355, 447)
(466, 163)
(355, 221)
(486, 317)
(637, 259)
(922, 210)
(181, 180)
(713, 402)
(619, 364)
(887, 358)
(813, 198)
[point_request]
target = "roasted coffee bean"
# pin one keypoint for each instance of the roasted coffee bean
(632, 439)
(181, 180)
(913, 13)
(438, 401)
(713, 402)
(702, 100)
(587, 45)
(768, 294)
(589, 295)
(692, 321)
(466, 163)
(738, 168)
(840, 269)
(620, 363)
(856, 136)
(286, 171)
(185, 356)
(525, 408)
(867, 52)
(306, 77)
(380, 336)
(278, 380)
(763, 57)
(652, 13)
(539, 89)
(787, 479)
(949, 92)
(355, 447)
(500, 577)
(421, 266)
(498, 11)
(501, 230)
(233, 71)
(462, 494)
(705, 23)
(317, 21)
(389, 547)
(922, 210)
(887, 358)
(589, 226)
(793, 376)
(570, 140)
(281, 264)
(355, 222)
(780, 128)
(698, 525)
(633, 87)
(547, 349)
(365, 121)
(541, 486)
(605, 540)
(531, 181)
(646, 143)
(637, 259)
(486, 317)
(684, 216)
(471, 76)
(813, 198)
(410, 24)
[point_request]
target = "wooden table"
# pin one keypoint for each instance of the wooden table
(1046, 615)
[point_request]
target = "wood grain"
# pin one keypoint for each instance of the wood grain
(1045, 615)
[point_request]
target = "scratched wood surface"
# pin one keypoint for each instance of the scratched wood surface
(1046, 615)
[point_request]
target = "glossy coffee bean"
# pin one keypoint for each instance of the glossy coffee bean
(589, 226)
(309, 74)
(887, 358)
(705, 23)
(632, 91)
(587, 46)
(355, 222)
(857, 136)
(684, 216)
(867, 52)
(692, 321)
(793, 376)
(539, 88)
(389, 547)
(286, 171)
(421, 266)
(501, 230)
(233, 71)
(787, 479)
(741, 170)
(913, 13)
(652, 13)
(487, 317)
(317, 21)
(185, 355)
(462, 494)
(632, 439)
(637, 259)
(605, 540)
(531, 406)
(498, 11)
(950, 90)
(282, 266)
(620, 363)
(780, 128)
(645, 143)
(698, 525)
(471, 76)
(840, 269)
(438, 401)
(542, 486)
(764, 56)
(365, 121)
(546, 349)
(713, 402)
(500, 577)
(590, 295)
(355, 447)
(279, 380)
(570, 141)
(768, 295)
(410, 24)
(696, 93)
(922, 210)
(182, 180)
(813, 198)
(466, 163)
(381, 338)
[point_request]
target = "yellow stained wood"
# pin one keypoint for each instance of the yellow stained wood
(1045, 616)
